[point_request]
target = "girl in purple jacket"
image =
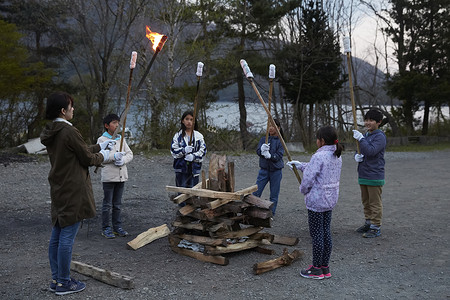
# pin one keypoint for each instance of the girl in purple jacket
(320, 185)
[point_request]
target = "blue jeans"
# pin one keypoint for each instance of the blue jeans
(112, 197)
(274, 177)
(60, 251)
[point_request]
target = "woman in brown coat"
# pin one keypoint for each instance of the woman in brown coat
(70, 186)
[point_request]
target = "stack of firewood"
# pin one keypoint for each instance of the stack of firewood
(213, 219)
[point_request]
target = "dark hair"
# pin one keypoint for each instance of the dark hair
(277, 122)
(374, 114)
(109, 118)
(329, 135)
(185, 114)
(56, 102)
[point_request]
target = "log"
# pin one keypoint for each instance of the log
(187, 209)
(196, 226)
(217, 259)
(149, 236)
(267, 223)
(264, 250)
(183, 197)
(108, 277)
(217, 203)
(206, 193)
(285, 260)
(262, 236)
(258, 202)
(285, 240)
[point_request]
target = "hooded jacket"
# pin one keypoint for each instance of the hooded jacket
(70, 182)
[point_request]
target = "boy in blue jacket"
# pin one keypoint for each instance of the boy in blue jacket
(371, 172)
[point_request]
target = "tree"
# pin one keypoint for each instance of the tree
(310, 72)
(18, 79)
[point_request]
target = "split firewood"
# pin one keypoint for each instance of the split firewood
(285, 240)
(204, 240)
(183, 197)
(187, 209)
(196, 226)
(149, 236)
(262, 236)
(257, 212)
(285, 260)
(258, 202)
(108, 277)
(267, 223)
(231, 179)
(240, 233)
(206, 193)
(264, 250)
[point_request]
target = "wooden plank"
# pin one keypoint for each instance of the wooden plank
(149, 236)
(108, 277)
(187, 209)
(247, 191)
(216, 259)
(204, 240)
(234, 247)
(285, 260)
(196, 226)
(240, 233)
(264, 250)
(206, 193)
(258, 202)
(183, 197)
(285, 240)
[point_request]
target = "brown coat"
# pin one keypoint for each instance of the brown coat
(70, 182)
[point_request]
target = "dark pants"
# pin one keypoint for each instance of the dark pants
(274, 177)
(112, 192)
(186, 180)
(320, 231)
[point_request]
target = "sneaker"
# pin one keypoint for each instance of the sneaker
(372, 233)
(71, 287)
(107, 233)
(363, 228)
(326, 272)
(312, 272)
(52, 287)
(120, 232)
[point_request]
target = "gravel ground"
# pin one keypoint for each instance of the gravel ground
(409, 261)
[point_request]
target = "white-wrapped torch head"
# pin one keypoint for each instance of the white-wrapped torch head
(347, 48)
(199, 69)
(246, 69)
(133, 60)
(272, 71)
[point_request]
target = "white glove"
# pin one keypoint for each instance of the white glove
(188, 149)
(293, 163)
(189, 157)
(118, 155)
(105, 154)
(265, 147)
(267, 154)
(119, 162)
(108, 144)
(359, 157)
(357, 135)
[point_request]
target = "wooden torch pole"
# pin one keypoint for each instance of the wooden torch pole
(271, 77)
(199, 74)
(249, 76)
(348, 51)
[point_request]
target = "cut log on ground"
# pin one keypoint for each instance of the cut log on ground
(285, 240)
(285, 260)
(108, 277)
(149, 236)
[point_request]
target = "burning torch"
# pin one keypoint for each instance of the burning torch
(348, 51)
(249, 76)
(158, 41)
(199, 74)
(271, 77)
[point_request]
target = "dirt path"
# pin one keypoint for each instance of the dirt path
(409, 261)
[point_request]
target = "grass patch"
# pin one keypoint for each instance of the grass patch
(419, 147)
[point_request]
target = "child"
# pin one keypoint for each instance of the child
(271, 164)
(70, 187)
(371, 172)
(114, 175)
(187, 156)
(320, 186)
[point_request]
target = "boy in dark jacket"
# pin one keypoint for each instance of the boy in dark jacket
(371, 172)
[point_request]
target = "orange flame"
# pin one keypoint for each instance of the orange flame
(154, 37)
